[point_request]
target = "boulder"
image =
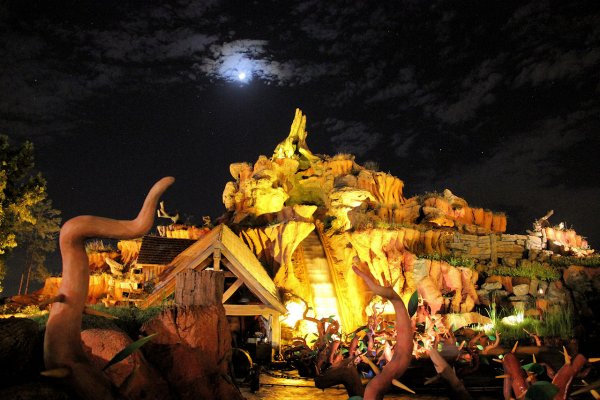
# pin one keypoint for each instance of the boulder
(533, 287)
(492, 286)
(556, 293)
(521, 290)
(135, 377)
(499, 294)
(584, 284)
(484, 297)
(524, 298)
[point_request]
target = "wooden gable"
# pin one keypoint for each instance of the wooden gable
(222, 245)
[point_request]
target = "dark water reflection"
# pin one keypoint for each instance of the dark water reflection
(288, 385)
(303, 389)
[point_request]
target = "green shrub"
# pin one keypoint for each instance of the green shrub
(129, 319)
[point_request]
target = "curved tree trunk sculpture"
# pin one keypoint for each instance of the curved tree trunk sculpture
(62, 342)
(400, 361)
(564, 377)
(447, 373)
(517, 376)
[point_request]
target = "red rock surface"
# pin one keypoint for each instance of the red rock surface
(193, 351)
(134, 376)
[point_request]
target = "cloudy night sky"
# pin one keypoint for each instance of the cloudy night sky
(498, 101)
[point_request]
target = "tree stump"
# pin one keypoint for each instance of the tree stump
(199, 288)
(193, 343)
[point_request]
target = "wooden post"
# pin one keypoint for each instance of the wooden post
(217, 260)
(199, 288)
(276, 332)
(493, 249)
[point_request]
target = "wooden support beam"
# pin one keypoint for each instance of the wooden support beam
(231, 290)
(217, 259)
(248, 309)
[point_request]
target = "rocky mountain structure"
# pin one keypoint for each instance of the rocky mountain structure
(309, 218)
(435, 243)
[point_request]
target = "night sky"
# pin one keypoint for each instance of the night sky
(498, 101)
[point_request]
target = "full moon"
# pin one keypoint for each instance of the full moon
(242, 76)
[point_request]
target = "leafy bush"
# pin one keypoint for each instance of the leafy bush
(130, 319)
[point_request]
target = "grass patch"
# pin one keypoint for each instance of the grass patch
(592, 261)
(455, 261)
(544, 272)
(557, 322)
(128, 319)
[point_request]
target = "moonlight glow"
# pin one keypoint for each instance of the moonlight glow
(242, 76)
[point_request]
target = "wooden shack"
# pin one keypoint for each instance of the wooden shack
(248, 289)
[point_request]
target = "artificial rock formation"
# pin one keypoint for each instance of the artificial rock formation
(293, 175)
(136, 378)
(192, 346)
(364, 218)
(193, 350)
(276, 244)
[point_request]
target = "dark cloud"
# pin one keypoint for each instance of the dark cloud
(351, 137)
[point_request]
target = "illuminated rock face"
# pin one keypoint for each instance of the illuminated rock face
(285, 205)
(275, 245)
(294, 175)
(367, 220)
(388, 256)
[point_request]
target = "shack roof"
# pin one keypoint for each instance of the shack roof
(158, 250)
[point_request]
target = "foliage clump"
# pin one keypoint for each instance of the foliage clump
(26, 214)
